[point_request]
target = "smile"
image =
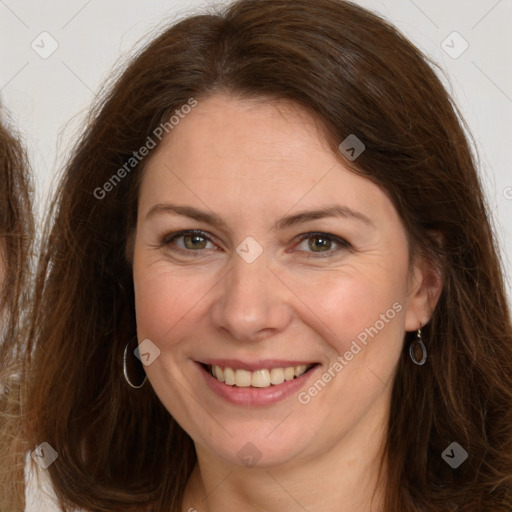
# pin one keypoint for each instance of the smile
(261, 378)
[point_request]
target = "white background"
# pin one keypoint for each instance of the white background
(49, 97)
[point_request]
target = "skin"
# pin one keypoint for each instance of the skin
(251, 163)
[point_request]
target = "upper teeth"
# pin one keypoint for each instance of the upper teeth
(259, 378)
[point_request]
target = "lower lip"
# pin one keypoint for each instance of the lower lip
(256, 396)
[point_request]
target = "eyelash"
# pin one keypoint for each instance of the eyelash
(171, 237)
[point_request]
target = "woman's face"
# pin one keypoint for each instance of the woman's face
(294, 261)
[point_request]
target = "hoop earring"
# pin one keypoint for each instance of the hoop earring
(414, 346)
(136, 368)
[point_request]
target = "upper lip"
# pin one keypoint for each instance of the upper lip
(252, 366)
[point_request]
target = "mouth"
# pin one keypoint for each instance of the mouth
(259, 378)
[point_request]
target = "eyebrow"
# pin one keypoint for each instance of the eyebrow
(285, 222)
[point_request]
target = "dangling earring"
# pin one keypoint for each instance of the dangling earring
(136, 368)
(416, 345)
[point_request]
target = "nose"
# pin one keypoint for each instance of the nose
(252, 303)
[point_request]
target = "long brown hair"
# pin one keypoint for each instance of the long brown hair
(120, 449)
(16, 237)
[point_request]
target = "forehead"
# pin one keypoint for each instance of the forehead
(254, 154)
(239, 132)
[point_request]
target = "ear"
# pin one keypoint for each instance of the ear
(425, 287)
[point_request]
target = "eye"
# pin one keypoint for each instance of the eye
(194, 240)
(322, 243)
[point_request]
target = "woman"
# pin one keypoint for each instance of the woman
(16, 232)
(270, 282)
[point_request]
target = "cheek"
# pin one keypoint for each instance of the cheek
(354, 305)
(160, 301)
(358, 313)
(164, 298)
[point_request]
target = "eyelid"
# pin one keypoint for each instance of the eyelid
(168, 237)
